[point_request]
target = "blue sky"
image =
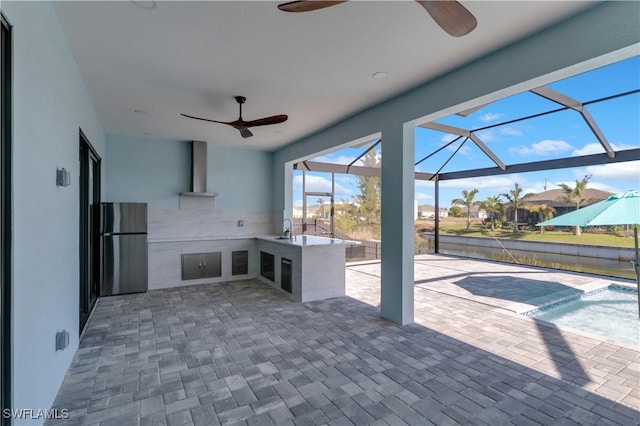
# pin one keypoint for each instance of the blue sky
(557, 135)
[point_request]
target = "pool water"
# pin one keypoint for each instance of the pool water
(612, 313)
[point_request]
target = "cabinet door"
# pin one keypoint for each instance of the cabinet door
(191, 266)
(240, 262)
(267, 266)
(285, 275)
(211, 265)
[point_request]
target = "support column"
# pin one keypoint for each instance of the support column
(287, 212)
(398, 187)
(436, 235)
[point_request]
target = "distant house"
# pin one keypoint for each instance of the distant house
(557, 199)
(297, 212)
(313, 211)
(476, 212)
(428, 211)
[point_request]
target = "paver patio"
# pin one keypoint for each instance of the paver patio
(242, 353)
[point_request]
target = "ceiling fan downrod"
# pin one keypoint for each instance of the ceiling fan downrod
(240, 100)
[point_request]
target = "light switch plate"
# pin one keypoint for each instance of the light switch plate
(63, 177)
(62, 340)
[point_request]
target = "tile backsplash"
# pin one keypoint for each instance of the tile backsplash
(202, 223)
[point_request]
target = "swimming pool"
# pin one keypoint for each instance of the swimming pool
(611, 312)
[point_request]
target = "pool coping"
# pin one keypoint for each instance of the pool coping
(563, 301)
(530, 315)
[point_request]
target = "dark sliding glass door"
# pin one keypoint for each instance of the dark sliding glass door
(5, 218)
(89, 229)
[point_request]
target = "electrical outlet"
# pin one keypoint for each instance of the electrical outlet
(62, 340)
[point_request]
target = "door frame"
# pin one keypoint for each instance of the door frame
(6, 210)
(331, 210)
(87, 253)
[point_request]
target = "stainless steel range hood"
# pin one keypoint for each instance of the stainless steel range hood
(199, 171)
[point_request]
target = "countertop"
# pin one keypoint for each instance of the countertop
(194, 239)
(306, 240)
(300, 240)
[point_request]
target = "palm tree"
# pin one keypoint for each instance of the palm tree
(544, 211)
(320, 213)
(467, 201)
(575, 194)
(517, 201)
(493, 206)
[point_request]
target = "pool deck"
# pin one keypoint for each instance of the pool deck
(479, 303)
(241, 353)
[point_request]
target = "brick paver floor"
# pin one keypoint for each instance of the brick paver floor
(242, 353)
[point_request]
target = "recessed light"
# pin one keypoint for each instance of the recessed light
(145, 4)
(379, 75)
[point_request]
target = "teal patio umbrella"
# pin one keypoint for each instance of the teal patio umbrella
(619, 209)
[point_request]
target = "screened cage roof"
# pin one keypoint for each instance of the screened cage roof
(587, 119)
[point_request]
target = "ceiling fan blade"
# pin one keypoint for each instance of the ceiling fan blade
(307, 6)
(205, 119)
(451, 16)
(241, 125)
(246, 133)
(267, 121)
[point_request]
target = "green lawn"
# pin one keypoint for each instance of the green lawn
(548, 236)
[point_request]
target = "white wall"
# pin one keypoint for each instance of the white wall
(155, 171)
(147, 170)
(50, 105)
(243, 178)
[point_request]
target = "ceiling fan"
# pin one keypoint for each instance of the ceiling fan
(243, 126)
(450, 15)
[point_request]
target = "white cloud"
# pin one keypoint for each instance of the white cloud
(592, 148)
(596, 148)
(605, 187)
(545, 147)
(425, 184)
(579, 174)
(628, 171)
(491, 116)
(510, 131)
(340, 159)
(535, 188)
(592, 184)
(499, 184)
(346, 179)
(320, 184)
(447, 137)
(465, 150)
(421, 196)
(486, 135)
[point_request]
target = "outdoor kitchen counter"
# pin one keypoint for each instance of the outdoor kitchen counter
(317, 266)
(307, 240)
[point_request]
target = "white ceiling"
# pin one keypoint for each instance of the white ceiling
(317, 67)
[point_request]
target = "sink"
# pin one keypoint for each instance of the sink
(282, 238)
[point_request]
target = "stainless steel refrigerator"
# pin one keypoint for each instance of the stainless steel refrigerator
(124, 248)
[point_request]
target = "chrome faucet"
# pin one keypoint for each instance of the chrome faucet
(290, 228)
